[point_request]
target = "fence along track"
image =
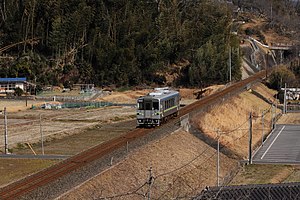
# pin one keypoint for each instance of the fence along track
(69, 165)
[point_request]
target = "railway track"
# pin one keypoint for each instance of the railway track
(18, 189)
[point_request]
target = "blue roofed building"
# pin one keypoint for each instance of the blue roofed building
(8, 85)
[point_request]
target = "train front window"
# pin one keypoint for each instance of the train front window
(148, 105)
(155, 105)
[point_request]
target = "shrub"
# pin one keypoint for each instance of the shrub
(280, 76)
(19, 91)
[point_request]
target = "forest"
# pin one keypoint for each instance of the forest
(120, 42)
(127, 42)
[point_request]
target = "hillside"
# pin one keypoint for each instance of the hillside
(107, 42)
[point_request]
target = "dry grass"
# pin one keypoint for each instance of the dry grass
(14, 169)
(186, 93)
(266, 92)
(165, 156)
(290, 118)
(124, 97)
(232, 120)
(294, 176)
(266, 174)
(263, 174)
(273, 37)
(16, 105)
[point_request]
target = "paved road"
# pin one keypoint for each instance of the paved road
(282, 146)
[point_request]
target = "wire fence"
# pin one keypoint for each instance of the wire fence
(86, 104)
(55, 105)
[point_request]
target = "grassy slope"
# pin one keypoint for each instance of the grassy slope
(232, 120)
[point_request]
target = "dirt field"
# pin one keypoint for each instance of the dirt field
(25, 127)
(75, 143)
(16, 105)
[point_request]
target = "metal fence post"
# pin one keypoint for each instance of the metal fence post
(250, 138)
(5, 132)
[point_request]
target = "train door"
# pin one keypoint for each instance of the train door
(148, 108)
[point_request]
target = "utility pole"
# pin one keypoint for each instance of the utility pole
(275, 115)
(5, 132)
(267, 63)
(272, 117)
(250, 138)
(271, 13)
(229, 64)
(218, 159)
(262, 122)
(42, 139)
(150, 181)
(284, 100)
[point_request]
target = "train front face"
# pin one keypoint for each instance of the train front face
(148, 111)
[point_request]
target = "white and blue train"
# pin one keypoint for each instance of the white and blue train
(156, 107)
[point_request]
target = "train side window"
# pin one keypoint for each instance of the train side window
(155, 106)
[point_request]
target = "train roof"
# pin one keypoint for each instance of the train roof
(161, 93)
